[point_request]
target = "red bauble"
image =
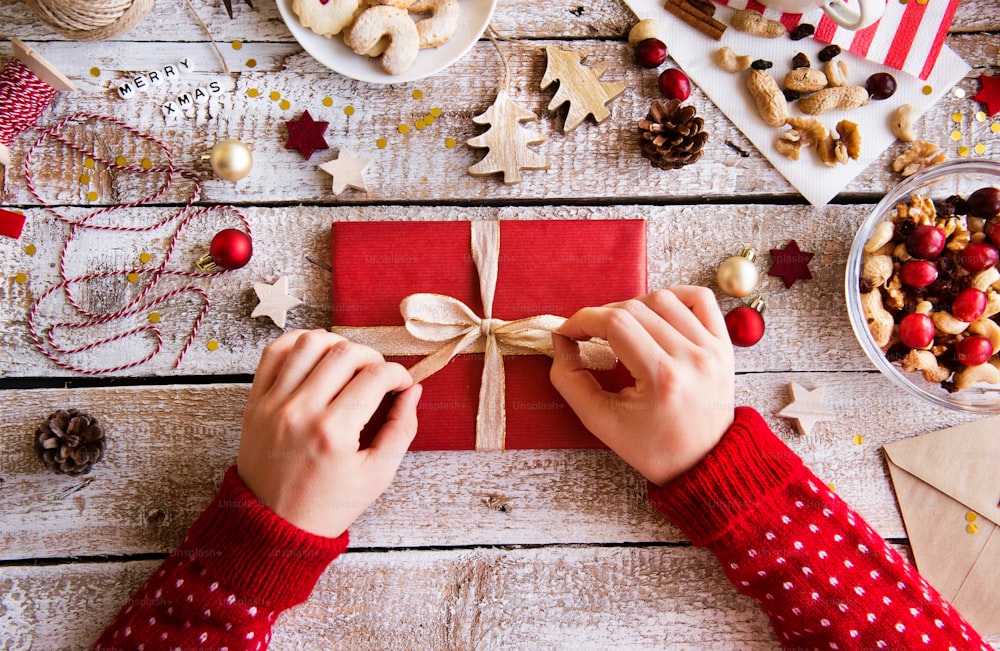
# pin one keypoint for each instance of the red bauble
(973, 351)
(231, 249)
(745, 325)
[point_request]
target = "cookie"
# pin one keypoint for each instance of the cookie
(381, 21)
(441, 25)
(325, 17)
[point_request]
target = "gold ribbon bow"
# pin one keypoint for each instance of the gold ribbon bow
(443, 326)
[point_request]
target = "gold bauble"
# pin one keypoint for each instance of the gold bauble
(231, 160)
(738, 276)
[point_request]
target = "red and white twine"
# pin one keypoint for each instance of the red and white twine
(45, 338)
(23, 98)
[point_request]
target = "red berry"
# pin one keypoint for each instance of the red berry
(925, 242)
(745, 325)
(916, 330)
(973, 351)
(994, 233)
(651, 53)
(978, 256)
(969, 305)
(918, 273)
(985, 203)
(674, 84)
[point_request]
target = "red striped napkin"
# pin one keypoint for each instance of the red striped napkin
(908, 37)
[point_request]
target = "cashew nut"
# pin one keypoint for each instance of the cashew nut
(923, 307)
(876, 269)
(882, 236)
(880, 321)
(948, 324)
(925, 362)
(987, 328)
(902, 123)
(985, 278)
(970, 375)
(729, 60)
(992, 303)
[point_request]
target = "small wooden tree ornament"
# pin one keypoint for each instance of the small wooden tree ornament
(580, 86)
(507, 141)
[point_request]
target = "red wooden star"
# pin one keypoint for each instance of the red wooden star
(989, 93)
(790, 263)
(306, 134)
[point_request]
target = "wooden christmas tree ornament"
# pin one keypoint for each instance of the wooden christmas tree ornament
(507, 141)
(580, 86)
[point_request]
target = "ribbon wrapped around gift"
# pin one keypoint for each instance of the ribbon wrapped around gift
(442, 327)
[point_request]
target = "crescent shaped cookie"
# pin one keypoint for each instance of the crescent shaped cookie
(441, 25)
(325, 17)
(381, 21)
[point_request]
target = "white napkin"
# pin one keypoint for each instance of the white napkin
(818, 183)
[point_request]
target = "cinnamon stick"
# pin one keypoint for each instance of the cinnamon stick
(696, 18)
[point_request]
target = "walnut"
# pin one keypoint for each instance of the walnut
(789, 144)
(896, 295)
(804, 132)
(828, 154)
(850, 135)
(921, 154)
(920, 211)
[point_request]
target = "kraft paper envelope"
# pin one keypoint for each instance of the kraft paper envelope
(939, 478)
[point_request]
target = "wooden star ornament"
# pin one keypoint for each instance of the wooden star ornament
(347, 170)
(274, 301)
(580, 86)
(989, 93)
(790, 263)
(806, 408)
(306, 135)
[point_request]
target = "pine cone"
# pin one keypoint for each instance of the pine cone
(70, 442)
(671, 136)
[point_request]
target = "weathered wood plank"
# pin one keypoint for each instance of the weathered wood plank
(170, 445)
(592, 162)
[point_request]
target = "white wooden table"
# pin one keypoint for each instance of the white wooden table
(520, 549)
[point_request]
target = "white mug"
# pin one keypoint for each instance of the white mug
(839, 11)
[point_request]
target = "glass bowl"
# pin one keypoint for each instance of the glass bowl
(938, 183)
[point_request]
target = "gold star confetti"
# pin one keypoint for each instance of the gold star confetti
(381, 143)
(212, 344)
(831, 486)
(418, 94)
(275, 96)
(348, 110)
(92, 196)
(403, 128)
(144, 257)
(285, 104)
(30, 249)
(154, 317)
(21, 278)
(95, 72)
(328, 101)
(450, 143)
(133, 277)
(146, 163)
(237, 45)
(121, 161)
(253, 92)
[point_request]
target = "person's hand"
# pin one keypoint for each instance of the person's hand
(299, 452)
(675, 344)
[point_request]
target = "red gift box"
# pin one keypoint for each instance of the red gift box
(545, 267)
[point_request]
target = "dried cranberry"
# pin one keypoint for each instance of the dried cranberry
(801, 31)
(829, 53)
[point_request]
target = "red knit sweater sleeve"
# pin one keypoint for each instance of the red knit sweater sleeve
(238, 568)
(823, 576)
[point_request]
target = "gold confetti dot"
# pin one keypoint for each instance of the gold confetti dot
(971, 517)
(980, 149)
(858, 439)
(251, 63)
(89, 163)
(381, 143)
(253, 92)
(92, 196)
(980, 116)
(436, 112)
(403, 128)
(327, 101)
(972, 528)
(275, 96)
(237, 45)
(285, 104)
(121, 161)
(995, 127)
(85, 179)
(921, 2)
(418, 94)
(133, 277)
(956, 117)
(95, 72)
(348, 110)
(927, 90)
(450, 143)
(420, 124)
(21, 278)
(831, 486)
(144, 257)
(212, 344)
(154, 317)
(956, 135)
(963, 151)
(146, 163)
(428, 119)
(30, 249)
(959, 93)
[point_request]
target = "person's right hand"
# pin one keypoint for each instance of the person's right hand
(675, 344)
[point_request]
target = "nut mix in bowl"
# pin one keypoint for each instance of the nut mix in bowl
(923, 285)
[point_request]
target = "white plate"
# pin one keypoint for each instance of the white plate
(334, 54)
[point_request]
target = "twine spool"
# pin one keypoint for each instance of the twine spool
(90, 20)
